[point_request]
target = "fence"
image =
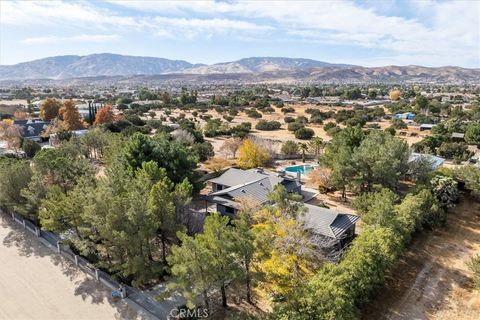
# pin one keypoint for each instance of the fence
(142, 300)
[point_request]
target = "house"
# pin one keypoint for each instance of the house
(457, 137)
(434, 160)
(255, 185)
(426, 126)
(405, 116)
(330, 224)
(32, 128)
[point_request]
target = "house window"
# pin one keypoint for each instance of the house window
(229, 210)
(219, 187)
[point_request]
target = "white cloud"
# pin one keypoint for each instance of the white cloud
(452, 32)
(76, 38)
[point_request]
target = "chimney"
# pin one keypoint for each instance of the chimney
(298, 176)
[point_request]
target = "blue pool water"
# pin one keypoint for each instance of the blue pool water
(303, 169)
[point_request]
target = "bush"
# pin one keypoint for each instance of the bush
(268, 125)
(304, 133)
(454, 150)
(474, 265)
(446, 190)
(288, 119)
(252, 113)
(203, 150)
(290, 147)
(288, 110)
(30, 147)
(294, 126)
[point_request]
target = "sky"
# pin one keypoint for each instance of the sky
(368, 33)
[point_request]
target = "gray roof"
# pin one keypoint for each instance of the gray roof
(458, 135)
(427, 125)
(233, 176)
(258, 190)
(251, 183)
(328, 222)
(434, 160)
(31, 127)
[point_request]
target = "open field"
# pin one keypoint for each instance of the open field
(283, 134)
(36, 283)
(432, 281)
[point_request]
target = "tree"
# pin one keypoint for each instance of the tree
(252, 155)
(30, 147)
(304, 148)
(15, 175)
(421, 102)
(71, 118)
(49, 109)
(471, 175)
(190, 266)
(244, 246)
(209, 257)
(230, 146)
(316, 145)
(177, 160)
(395, 95)
(380, 159)
(12, 134)
(304, 133)
(322, 178)
(446, 190)
(203, 150)
(377, 208)
(290, 148)
(105, 115)
(162, 208)
(472, 135)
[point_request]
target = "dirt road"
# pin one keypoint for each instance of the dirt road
(36, 283)
(433, 281)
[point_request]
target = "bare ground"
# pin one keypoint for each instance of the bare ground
(432, 281)
(36, 283)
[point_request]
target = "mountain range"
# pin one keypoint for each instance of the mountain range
(255, 69)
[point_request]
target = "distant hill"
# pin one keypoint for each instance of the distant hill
(103, 64)
(263, 64)
(108, 68)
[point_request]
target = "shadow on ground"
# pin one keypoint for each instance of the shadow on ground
(86, 287)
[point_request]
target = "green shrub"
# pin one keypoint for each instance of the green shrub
(304, 133)
(294, 126)
(268, 125)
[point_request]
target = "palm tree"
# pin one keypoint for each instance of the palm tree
(304, 148)
(316, 144)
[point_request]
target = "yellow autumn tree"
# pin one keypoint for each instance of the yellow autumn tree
(252, 155)
(395, 95)
(49, 109)
(71, 118)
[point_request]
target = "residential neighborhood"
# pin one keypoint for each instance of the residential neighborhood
(239, 160)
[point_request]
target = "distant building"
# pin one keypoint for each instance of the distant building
(426, 126)
(458, 137)
(405, 116)
(32, 128)
(434, 160)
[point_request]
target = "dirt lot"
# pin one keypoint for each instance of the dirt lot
(283, 134)
(433, 281)
(36, 283)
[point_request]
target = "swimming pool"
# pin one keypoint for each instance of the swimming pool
(303, 169)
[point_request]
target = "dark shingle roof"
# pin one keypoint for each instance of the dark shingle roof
(327, 222)
(31, 128)
(258, 190)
